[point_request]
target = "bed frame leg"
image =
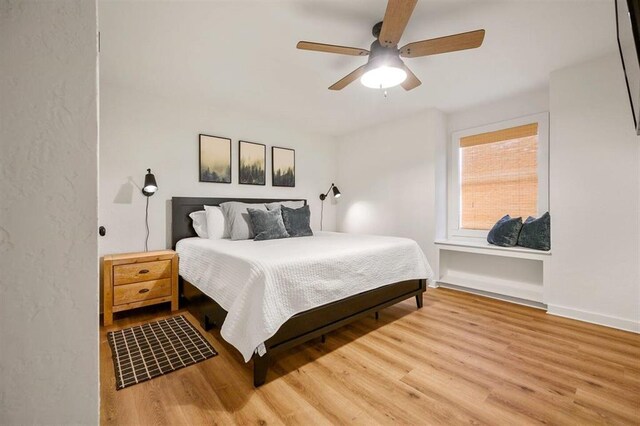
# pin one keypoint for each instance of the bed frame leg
(207, 324)
(260, 367)
(323, 338)
(377, 316)
(419, 300)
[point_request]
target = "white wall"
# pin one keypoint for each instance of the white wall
(48, 216)
(504, 109)
(141, 130)
(595, 163)
(387, 175)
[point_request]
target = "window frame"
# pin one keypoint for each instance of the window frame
(454, 193)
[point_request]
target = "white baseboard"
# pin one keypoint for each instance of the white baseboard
(563, 311)
(594, 318)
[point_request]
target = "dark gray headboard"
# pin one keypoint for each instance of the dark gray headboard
(181, 207)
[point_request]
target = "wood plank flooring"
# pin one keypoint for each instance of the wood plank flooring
(462, 359)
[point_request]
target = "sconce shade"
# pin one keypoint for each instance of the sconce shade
(150, 186)
(336, 192)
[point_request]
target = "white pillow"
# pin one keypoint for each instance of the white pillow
(215, 223)
(237, 219)
(200, 223)
(290, 204)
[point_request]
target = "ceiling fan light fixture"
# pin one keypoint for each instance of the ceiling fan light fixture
(384, 67)
(383, 77)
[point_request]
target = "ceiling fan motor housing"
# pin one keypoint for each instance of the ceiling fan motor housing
(376, 29)
(380, 55)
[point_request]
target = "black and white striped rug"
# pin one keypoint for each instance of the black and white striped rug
(146, 351)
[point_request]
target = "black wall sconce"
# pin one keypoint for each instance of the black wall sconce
(150, 187)
(336, 194)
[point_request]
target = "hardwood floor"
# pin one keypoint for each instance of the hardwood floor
(462, 359)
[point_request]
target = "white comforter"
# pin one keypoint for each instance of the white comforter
(261, 284)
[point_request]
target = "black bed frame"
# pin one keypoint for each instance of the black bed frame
(301, 327)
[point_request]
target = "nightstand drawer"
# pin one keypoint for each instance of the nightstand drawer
(141, 291)
(143, 271)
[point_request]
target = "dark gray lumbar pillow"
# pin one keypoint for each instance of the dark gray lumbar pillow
(505, 232)
(297, 221)
(536, 233)
(267, 225)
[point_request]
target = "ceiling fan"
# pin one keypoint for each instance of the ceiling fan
(385, 68)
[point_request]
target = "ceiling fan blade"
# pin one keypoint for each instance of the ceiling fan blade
(331, 48)
(451, 43)
(348, 79)
(395, 21)
(412, 81)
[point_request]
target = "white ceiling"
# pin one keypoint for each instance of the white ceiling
(242, 54)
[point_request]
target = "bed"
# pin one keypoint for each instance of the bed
(269, 296)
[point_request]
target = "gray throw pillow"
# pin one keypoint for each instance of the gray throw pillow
(536, 233)
(290, 204)
(505, 232)
(237, 219)
(297, 221)
(267, 225)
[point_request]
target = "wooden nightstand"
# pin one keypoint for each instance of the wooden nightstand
(133, 280)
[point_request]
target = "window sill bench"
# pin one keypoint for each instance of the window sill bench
(513, 273)
(484, 247)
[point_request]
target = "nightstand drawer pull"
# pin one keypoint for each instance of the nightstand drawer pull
(143, 271)
(144, 290)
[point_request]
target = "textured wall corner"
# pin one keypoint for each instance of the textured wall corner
(48, 214)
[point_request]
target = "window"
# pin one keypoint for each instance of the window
(496, 170)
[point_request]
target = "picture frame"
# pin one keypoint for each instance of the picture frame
(283, 167)
(252, 161)
(214, 159)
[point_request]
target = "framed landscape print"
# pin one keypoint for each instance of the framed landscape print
(215, 159)
(283, 166)
(251, 164)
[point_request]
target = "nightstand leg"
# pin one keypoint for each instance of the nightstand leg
(174, 283)
(107, 288)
